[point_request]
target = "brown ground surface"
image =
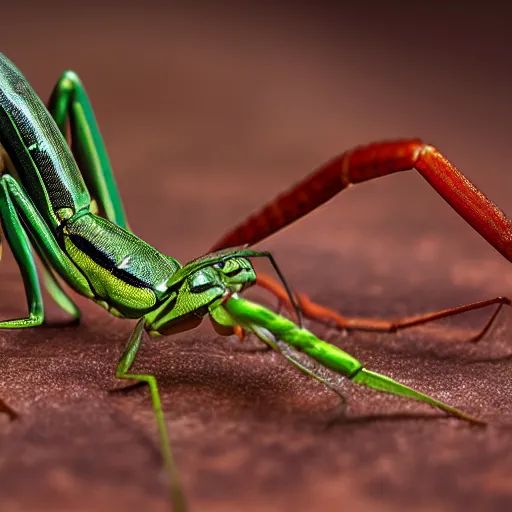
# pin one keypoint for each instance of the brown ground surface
(207, 113)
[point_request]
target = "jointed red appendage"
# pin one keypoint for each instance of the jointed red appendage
(363, 164)
(5, 409)
(329, 316)
(369, 162)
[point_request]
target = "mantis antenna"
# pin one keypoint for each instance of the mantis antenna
(266, 254)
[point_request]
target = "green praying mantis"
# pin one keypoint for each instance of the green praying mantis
(62, 204)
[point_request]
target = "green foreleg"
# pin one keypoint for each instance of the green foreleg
(69, 102)
(125, 363)
(42, 239)
(20, 246)
(247, 313)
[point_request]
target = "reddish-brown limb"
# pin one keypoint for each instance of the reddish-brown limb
(326, 315)
(366, 163)
(363, 164)
(5, 409)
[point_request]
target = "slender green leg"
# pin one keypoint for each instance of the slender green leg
(125, 363)
(249, 313)
(267, 337)
(69, 102)
(19, 206)
(20, 246)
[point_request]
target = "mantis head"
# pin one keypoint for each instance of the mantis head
(201, 286)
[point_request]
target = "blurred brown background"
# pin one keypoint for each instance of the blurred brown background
(208, 110)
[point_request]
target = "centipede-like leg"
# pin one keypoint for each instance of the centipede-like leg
(363, 164)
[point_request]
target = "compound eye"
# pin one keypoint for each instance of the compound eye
(219, 265)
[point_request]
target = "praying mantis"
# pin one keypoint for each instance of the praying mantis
(61, 203)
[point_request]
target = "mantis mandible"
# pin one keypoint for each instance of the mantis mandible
(62, 204)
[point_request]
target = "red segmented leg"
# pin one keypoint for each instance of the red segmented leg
(5, 409)
(363, 164)
(327, 315)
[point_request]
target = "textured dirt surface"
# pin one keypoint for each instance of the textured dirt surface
(207, 113)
